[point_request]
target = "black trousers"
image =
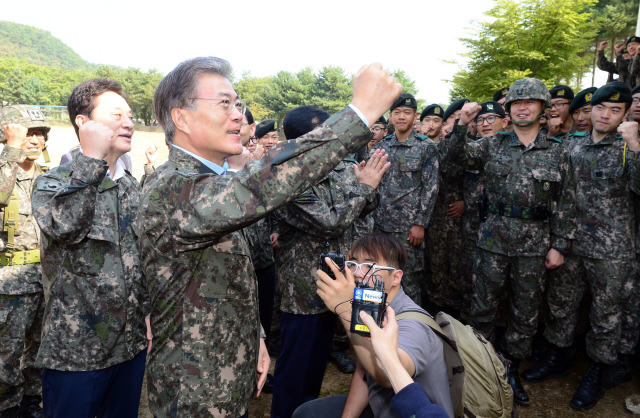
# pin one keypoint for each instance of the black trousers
(266, 292)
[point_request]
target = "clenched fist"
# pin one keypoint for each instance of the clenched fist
(16, 135)
(629, 133)
(374, 91)
(554, 125)
(95, 139)
(152, 154)
(469, 113)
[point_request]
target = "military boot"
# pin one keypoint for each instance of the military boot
(591, 388)
(342, 360)
(615, 374)
(31, 408)
(519, 394)
(553, 364)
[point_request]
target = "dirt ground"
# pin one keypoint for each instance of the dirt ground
(548, 400)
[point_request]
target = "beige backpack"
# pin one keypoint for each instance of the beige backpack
(477, 374)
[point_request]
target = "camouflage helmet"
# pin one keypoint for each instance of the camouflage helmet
(29, 116)
(527, 88)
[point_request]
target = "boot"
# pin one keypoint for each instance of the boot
(591, 388)
(342, 360)
(553, 364)
(617, 373)
(30, 406)
(519, 394)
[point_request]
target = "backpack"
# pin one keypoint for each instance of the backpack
(477, 374)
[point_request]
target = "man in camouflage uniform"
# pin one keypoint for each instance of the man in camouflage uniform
(408, 190)
(580, 111)
(606, 166)
(530, 219)
(209, 354)
(633, 47)
(24, 131)
(560, 124)
(94, 338)
(321, 220)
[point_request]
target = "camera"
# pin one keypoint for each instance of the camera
(339, 259)
(372, 300)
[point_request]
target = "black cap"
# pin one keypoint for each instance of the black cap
(492, 107)
(561, 92)
(635, 90)
(614, 92)
(582, 99)
(381, 121)
(432, 109)
(625, 51)
(264, 127)
(633, 39)
(405, 100)
(500, 94)
(457, 105)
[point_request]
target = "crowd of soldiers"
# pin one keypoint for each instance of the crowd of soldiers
(511, 210)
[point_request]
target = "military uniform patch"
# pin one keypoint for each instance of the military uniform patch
(587, 97)
(436, 110)
(615, 96)
(432, 150)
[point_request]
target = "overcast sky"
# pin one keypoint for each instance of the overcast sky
(264, 37)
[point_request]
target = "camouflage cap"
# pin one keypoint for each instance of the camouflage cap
(582, 99)
(29, 116)
(527, 88)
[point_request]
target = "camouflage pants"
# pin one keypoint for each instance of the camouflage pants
(467, 256)
(613, 285)
(20, 328)
(522, 278)
(444, 286)
(415, 266)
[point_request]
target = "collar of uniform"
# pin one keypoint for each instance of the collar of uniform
(210, 165)
(540, 142)
(607, 140)
(185, 161)
(410, 142)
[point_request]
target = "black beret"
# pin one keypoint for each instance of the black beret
(635, 90)
(561, 92)
(492, 107)
(582, 99)
(500, 94)
(381, 121)
(457, 105)
(633, 39)
(264, 127)
(625, 51)
(614, 92)
(405, 100)
(433, 109)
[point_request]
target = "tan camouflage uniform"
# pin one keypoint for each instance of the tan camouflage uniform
(201, 281)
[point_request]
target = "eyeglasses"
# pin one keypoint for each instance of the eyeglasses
(253, 140)
(367, 269)
(490, 119)
(226, 105)
(377, 129)
(38, 134)
(559, 105)
(636, 100)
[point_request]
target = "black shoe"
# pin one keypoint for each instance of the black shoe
(268, 384)
(553, 364)
(617, 373)
(519, 394)
(30, 407)
(344, 362)
(274, 347)
(14, 412)
(591, 388)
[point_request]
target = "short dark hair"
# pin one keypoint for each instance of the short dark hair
(249, 116)
(82, 100)
(382, 246)
(302, 120)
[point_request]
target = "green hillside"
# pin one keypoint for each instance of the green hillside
(38, 47)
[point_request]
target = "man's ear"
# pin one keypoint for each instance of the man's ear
(505, 122)
(81, 120)
(180, 119)
(252, 130)
(627, 114)
(397, 277)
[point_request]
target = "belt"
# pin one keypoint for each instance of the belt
(20, 258)
(539, 213)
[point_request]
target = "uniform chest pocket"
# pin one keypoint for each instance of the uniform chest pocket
(610, 180)
(546, 183)
(223, 270)
(411, 164)
(497, 168)
(92, 255)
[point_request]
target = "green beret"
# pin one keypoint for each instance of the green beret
(635, 90)
(405, 100)
(500, 94)
(633, 39)
(582, 99)
(492, 107)
(381, 121)
(614, 92)
(264, 127)
(457, 105)
(561, 92)
(433, 109)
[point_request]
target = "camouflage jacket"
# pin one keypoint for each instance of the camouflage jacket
(326, 212)
(562, 136)
(95, 292)
(258, 237)
(450, 190)
(409, 188)
(535, 176)
(202, 285)
(604, 198)
(621, 66)
(471, 188)
(633, 77)
(27, 278)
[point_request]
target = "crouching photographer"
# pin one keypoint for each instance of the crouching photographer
(376, 258)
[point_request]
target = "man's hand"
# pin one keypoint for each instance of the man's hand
(384, 340)
(416, 235)
(445, 130)
(456, 209)
(603, 45)
(334, 292)
(554, 259)
(374, 91)
(95, 139)
(152, 155)
(371, 173)
(274, 241)
(263, 366)
(554, 125)
(618, 47)
(258, 153)
(469, 113)
(473, 128)
(237, 162)
(16, 135)
(147, 321)
(629, 133)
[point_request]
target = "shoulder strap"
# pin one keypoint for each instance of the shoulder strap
(425, 319)
(11, 216)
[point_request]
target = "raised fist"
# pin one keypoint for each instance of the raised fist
(95, 139)
(603, 45)
(618, 47)
(374, 91)
(16, 135)
(629, 133)
(152, 154)
(554, 125)
(469, 113)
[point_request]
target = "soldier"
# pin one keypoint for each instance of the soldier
(580, 110)
(560, 123)
(267, 134)
(530, 219)
(499, 97)
(432, 120)
(211, 360)
(634, 112)
(321, 220)
(24, 130)
(95, 294)
(452, 114)
(605, 164)
(408, 190)
(633, 43)
(379, 131)
(620, 67)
